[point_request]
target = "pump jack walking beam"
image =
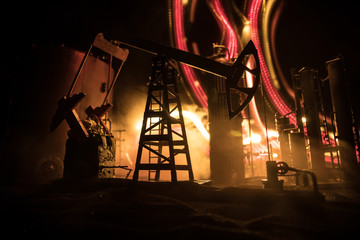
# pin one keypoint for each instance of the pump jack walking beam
(232, 73)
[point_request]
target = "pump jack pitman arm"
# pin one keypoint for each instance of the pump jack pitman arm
(232, 73)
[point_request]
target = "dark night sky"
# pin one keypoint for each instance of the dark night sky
(312, 32)
(309, 33)
(307, 28)
(77, 24)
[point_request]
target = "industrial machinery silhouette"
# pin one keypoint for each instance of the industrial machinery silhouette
(90, 147)
(159, 127)
(163, 99)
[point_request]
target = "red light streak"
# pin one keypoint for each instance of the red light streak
(180, 43)
(232, 45)
(230, 36)
(277, 101)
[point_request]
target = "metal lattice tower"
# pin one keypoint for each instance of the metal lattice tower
(163, 130)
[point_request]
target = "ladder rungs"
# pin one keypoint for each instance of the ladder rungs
(155, 166)
(164, 143)
(162, 114)
(177, 151)
(161, 129)
(174, 120)
(157, 87)
(152, 113)
(160, 87)
(178, 142)
(160, 137)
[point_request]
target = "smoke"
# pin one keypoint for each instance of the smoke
(128, 117)
(198, 144)
(129, 106)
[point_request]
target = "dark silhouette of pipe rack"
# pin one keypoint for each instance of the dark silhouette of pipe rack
(163, 134)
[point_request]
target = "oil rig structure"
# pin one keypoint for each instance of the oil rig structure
(324, 142)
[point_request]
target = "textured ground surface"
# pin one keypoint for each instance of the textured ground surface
(120, 208)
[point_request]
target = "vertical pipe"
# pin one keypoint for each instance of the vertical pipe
(311, 109)
(226, 145)
(297, 93)
(265, 120)
(297, 139)
(250, 144)
(298, 150)
(341, 106)
(282, 124)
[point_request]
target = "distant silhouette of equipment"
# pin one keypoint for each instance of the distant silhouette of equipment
(283, 168)
(326, 136)
(275, 169)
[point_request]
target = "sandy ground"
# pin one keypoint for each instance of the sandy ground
(123, 209)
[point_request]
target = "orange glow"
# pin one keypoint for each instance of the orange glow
(253, 109)
(255, 138)
(189, 115)
(195, 120)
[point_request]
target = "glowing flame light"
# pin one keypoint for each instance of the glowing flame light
(195, 120)
(128, 158)
(190, 115)
(255, 138)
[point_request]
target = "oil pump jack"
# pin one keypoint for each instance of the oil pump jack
(166, 146)
(168, 149)
(90, 147)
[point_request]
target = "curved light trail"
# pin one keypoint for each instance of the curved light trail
(261, 26)
(231, 43)
(195, 120)
(180, 43)
(275, 98)
(273, 25)
(224, 23)
(266, 41)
